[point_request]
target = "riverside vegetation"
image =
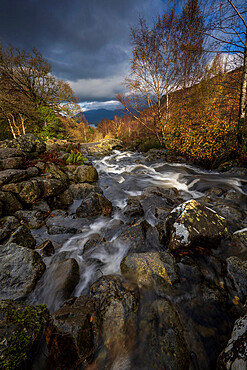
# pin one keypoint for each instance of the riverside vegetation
(154, 280)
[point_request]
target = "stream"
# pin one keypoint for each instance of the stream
(122, 175)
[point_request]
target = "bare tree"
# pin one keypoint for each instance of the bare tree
(165, 57)
(228, 29)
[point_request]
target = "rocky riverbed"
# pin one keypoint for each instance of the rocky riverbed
(142, 263)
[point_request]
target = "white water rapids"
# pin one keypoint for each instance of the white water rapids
(121, 175)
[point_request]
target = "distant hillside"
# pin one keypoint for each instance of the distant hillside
(95, 116)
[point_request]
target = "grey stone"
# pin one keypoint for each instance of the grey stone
(21, 268)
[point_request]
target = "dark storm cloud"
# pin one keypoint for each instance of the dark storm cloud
(83, 40)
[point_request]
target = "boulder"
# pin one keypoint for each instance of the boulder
(50, 187)
(7, 226)
(57, 173)
(234, 356)
(23, 237)
(133, 208)
(56, 229)
(72, 334)
(15, 175)
(117, 301)
(29, 144)
(94, 204)
(60, 281)
(12, 162)
(193, 225)
(47, 249)
(135, 236)
(27, 191)
(10, 204)
(6, 153)
(21, 329)
(162, 343)
(237, 272)
(21, 268)
(86, 173)
(81, 191)
(32, 219)
(155, 270)
(62, 200)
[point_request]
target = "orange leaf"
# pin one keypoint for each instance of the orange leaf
(91, 318)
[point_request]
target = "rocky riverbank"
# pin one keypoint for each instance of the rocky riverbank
(180, 300)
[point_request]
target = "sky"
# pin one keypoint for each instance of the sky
(86, 41)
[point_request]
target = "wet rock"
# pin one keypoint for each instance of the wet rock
(86, 174)
(21, 329)
(135, 236)
(10, 163)
(117, 301)
(192, 224)
(27, 191)
(155, 270)
(93, 205)
(214, 193)
(237, 272)
(133, 208)
(14, 175)
(233, 214)
(21, 268)
(65, 276)
(72, 334)
(93, 242)
(56, 229)
(7, 226)
(9, 203)
(32, 219)
(23, 237)
(162, 343)
(29, 144)
(47, 249)
(81, 191)
(234, 356)
(41, 206)
(205, 320)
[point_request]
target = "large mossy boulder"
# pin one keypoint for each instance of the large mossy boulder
(21, 268)
(72, 334)
(86, 173)
(155, 270)
(94, 204)
(7, 226)
(21, 329)
(193, 225)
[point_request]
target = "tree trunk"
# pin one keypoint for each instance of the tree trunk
(242, 102)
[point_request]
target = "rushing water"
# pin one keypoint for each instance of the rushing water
(121, 175)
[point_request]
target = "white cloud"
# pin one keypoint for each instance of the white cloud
(109, 105)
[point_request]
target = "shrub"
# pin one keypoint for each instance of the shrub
(76, 158)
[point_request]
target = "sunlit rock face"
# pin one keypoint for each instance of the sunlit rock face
(193, 225)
